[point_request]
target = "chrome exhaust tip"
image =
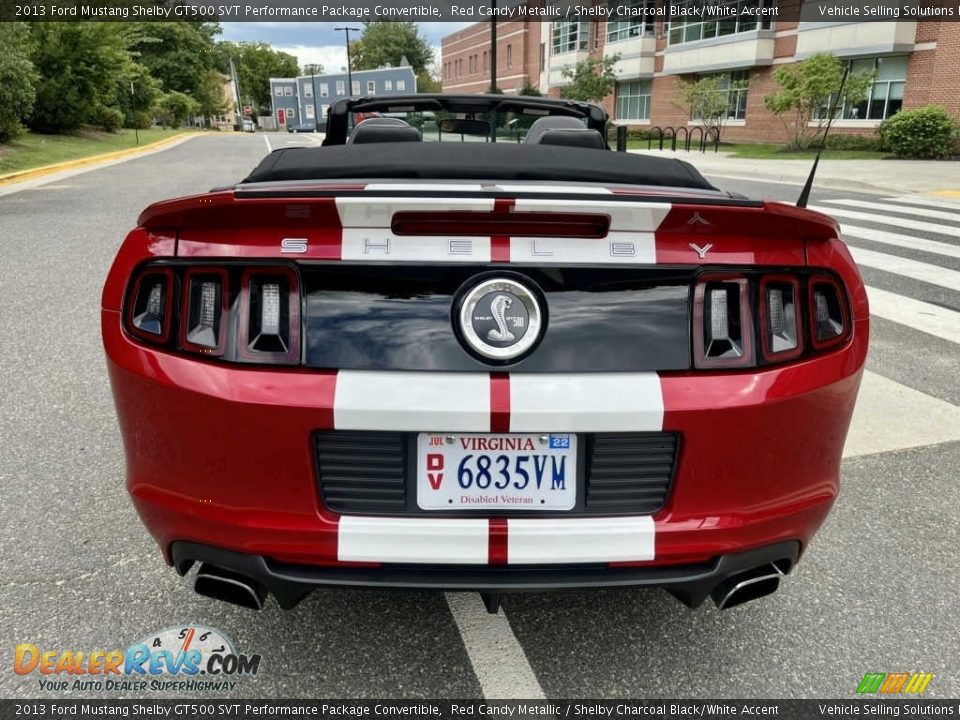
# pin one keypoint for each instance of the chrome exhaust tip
(229, 586)
(759, 582)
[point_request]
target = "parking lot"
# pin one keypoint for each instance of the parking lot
(879, 590)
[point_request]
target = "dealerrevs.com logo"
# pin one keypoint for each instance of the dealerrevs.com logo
(189, 659)
(894, 683)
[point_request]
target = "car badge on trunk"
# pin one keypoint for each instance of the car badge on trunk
(500, 319)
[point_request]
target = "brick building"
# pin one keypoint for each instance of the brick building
(465, 57)
(915, 63)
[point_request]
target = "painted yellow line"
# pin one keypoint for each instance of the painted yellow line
(946, 193)
(31, 173)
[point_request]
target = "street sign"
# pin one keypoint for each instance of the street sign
(247, 110)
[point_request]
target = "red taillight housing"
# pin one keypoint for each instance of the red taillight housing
(722, 322)
(829, 316)
(149, 310)
(237, 314)
(762, 318)
(269, 316)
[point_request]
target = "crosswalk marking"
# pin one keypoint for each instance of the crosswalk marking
(926, 201)
(953, 231)
(913, 269)
(904, 241)
(926, 317)
(928, 213)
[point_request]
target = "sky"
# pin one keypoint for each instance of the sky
(319, 42)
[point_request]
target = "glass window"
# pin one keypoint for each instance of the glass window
(288, 91)
(569, 36)
(388, 84)
(340, 87)
(509, 56)
(371, 87)
(355, 87)
(730, 18)
(308, 111)
(732, 85)
(633, 100)
(884, 97)
(278, 91)
(308, 89)
(638, 24)
(401, 84)
(291, 113)
(324, 90)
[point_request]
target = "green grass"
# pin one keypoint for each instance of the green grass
(33, 150)
(769, 151)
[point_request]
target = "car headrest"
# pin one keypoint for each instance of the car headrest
(551, 122)
(384, 130)
(580, 137)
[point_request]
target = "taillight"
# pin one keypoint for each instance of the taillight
(203, 310)
(781, 313)
(829, 325)
(781, 332)
(270, 316)
(236, 314)
(149, 313)
(723, 323)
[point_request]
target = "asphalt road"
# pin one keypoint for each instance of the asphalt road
(878, 591)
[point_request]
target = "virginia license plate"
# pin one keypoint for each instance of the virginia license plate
(509, 471)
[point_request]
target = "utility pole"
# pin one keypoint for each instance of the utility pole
(493, 68)
(347, 31)
(237, 102)
(133, 114)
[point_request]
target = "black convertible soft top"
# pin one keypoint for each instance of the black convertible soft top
(475, 161)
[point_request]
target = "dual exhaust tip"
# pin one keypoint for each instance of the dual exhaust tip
(238, 589)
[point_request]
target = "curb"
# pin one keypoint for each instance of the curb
(31, 173)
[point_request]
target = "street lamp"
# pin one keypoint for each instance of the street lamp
(347, 31)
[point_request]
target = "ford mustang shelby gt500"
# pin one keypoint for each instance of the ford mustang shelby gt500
(488, 366)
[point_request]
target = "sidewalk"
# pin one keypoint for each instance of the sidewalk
(940, 177)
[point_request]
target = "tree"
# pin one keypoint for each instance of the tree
(428, 83)
(591, 80)
(529, 90)
(387, 43)
(808, 90)
(210, 97)
(81, 66)
(256, 63)
(177, 53)
(707, 100)
(175, 107)
(17, 79)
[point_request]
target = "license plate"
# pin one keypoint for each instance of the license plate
(509, 471)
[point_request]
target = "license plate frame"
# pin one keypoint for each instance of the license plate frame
(439, 486)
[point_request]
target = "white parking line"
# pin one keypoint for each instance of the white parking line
(890, 416)
(913, 269)
(497, 658)
(893, 208)
(905, 241)
(925, 317)
(906, 223)
(267, 141)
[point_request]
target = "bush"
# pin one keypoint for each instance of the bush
(853, 142)
(925, 132)
(142, 120)
(109, 118)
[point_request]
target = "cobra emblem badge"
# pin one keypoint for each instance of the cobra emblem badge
(500, 319)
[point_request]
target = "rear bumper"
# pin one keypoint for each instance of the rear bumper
(290, 583)
(221, 456)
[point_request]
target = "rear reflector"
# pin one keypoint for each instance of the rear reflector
(828, 312)
(722, 332)
(780, 329)
(204, 304)
(520, 224)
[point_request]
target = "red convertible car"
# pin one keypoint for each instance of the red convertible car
(399, 360)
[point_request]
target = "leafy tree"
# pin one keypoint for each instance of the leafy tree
(428, 83)
(591, 80)
(137, 94)
(707, 100)
(530, 91)
(807, 90)
(211, 98)
(256, 63)
(177, 53)
(17, 79)
(81, 66)
(175, 107)
(387, 43)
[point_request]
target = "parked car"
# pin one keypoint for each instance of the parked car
(248, 126)
(482, 366)
(306, 126)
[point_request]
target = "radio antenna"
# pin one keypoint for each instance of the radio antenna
(807, 186)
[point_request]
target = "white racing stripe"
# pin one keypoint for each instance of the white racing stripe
(554, 189)
(425, 187)
(913, 269)
(951, 230)
(425, 401)
(357, 211)
(892, 208)
(905, 241)
(580, 540)
(926, 317)
(461, 541)
(585, 402)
